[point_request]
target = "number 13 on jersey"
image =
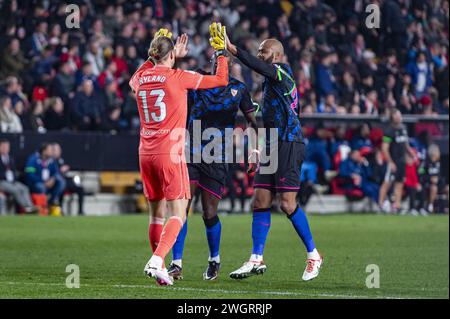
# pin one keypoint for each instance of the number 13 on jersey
(159, 104)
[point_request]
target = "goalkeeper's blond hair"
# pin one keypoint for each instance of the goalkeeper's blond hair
(160, 47)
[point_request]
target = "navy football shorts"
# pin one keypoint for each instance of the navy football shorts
(287, 176)
(209, 177)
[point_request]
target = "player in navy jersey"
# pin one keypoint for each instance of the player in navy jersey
(280, 110)
(211, 109)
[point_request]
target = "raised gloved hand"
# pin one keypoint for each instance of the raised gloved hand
(218, 35)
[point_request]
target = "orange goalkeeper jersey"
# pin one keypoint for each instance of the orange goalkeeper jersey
(161, 94)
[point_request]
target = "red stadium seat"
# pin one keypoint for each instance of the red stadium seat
(352, 194)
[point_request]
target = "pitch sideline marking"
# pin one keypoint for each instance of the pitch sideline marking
(275, 293)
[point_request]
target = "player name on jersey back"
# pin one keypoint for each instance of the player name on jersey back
(152, 78)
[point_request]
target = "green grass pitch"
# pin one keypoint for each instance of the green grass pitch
(411, 253)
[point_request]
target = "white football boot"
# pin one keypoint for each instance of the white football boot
(386, 207)
(312, 268)
(249, 269)
(423, 212)
(155, 270)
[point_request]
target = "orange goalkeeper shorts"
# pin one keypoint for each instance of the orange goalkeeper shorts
(164, 176)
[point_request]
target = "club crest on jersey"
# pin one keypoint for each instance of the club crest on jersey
(233, 92)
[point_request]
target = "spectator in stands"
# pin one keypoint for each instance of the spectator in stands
(368, 64)
(35, 120)
(39, 39)
(88, 107)
(316, 150)
(357, 48)
(85, 73)
(387, 93)
(56, 118)
(355, 171)
(197, 46)
(13, 90)
(72, 183)
(325, 80)
(347, 89)
(421, 74)
(64, 82)
(43, 70)
(8, 180)
(107, 75)
(407, 101)
(94, 56)
(328, 104)
(390, 64)
(109, 21)
(355, 109)
(361, 138)
(338, 139)
(442, 83)
(242, 31)
(71, 55)
(42, 176)
(426, 106)
(227, 10)
(369, 102)
(19, 109)
(125, 37)
(378, 166)
(12, 61)
(112, 121)
(122, 70)
(294, 52)
(393, 25)
(111, 97)
(306, 64)
(133, 60)
(367, 83)
(9, 120)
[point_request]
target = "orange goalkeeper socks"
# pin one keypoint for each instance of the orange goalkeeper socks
(169, 236)
(154, 231)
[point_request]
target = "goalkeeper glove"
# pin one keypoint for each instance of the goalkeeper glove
(217, 39)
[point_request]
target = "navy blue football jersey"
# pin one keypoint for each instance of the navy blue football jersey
(216, 109)
(281, 105)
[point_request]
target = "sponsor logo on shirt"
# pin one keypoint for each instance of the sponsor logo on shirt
(145, 132)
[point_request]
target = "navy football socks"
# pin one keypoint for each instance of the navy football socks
(301, 225)
(178, 247)
(213, 233)
(260, 230)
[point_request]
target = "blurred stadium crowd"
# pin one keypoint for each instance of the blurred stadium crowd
(55, 78)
